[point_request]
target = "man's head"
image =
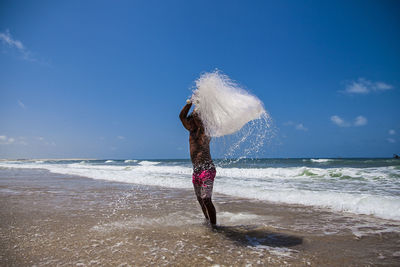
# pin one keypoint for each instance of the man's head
(196, 119)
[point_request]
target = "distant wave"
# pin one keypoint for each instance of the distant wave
(148, 163)
(321, 160)
(109, 161)
(130, 161)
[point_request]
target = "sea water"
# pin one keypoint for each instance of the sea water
(358, 186)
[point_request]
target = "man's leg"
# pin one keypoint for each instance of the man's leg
(206, 197)
(203, 207)
(198, 192)
(210, 210)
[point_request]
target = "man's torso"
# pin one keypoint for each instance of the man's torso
(200, 150)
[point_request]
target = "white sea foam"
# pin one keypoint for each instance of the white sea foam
(130, 161)
(109, 161)
(321, 160)
(224, 107)
(278, 251)
(371, 191)
(387, 207)
(229, 217)
(148, 163)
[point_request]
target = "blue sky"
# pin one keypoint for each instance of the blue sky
(107, 79)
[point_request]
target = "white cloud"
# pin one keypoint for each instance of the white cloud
(20, 140)
(391, 140)
(301, 127)
(360, 121)
(297, 126)
(392, 132)
(357, 88)
(8, 40)
(4, 140)
(120, 137)
(22, 105)
(383, 86)
(339, 121)
(364, 86)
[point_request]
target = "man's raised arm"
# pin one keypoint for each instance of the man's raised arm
(183, 115)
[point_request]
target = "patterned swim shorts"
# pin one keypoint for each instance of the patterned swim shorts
(203, 183)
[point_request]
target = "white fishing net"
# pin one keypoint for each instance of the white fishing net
(223, 106)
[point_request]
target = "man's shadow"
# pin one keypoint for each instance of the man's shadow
(250, 235)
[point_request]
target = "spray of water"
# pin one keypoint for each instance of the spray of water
(236, 119)
(223, 106)
(249, 142)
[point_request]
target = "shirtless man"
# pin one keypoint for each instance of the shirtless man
(203, 166)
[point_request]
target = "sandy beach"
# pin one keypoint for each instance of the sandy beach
(50, 219)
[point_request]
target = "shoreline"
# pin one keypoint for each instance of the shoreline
(51, 219)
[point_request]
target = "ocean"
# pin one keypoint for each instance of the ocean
(359, 186)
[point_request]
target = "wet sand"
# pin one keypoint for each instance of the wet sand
(48, 219)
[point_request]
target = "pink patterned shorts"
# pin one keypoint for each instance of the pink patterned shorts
(203, 182)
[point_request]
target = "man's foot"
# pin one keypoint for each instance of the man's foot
(209, 224)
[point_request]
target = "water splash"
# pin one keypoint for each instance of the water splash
(250, 142)
(223, 106)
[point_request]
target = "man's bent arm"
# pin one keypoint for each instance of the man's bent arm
(183, 116)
